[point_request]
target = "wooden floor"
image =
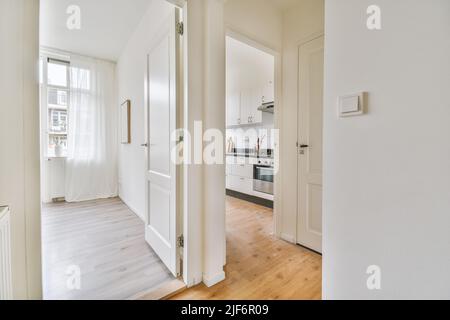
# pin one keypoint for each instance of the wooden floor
(106, 240)
(259, 266)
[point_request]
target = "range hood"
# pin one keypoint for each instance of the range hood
(268, 107)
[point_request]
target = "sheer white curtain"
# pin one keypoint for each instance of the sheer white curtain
(91, 165)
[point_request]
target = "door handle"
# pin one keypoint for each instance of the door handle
(145, 145)
(301, 148)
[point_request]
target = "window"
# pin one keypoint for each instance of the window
(57, 74)
(55, 98)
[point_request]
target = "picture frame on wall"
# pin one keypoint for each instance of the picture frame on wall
(125, 122)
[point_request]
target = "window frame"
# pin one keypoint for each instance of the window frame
(45, 108)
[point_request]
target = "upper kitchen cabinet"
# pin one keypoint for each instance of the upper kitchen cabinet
(250, 83)
(233, 108)
(268, 91)
(250, 102)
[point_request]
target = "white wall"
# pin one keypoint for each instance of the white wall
(19, 140)
(214, 83)
(387, 174)
(257, 20)
(131, 71)
(300, 24)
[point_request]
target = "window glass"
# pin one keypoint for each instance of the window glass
(55, 82)
(57, 74)
(57, 140)
(57, 97)
(57, 121)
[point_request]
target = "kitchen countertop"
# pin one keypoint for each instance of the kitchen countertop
(246, 155)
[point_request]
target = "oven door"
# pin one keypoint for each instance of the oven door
(263, 179)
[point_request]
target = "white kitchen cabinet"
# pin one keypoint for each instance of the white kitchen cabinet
(268, 92)
(250, 102)
(239, 175)
(249, 75)
(233, 108)
(243, 170)
(240, 184)
(242, 107)
(246, 101)
(256, 115)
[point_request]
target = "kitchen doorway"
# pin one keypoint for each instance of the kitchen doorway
(252, 139)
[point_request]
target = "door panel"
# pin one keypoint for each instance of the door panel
(161, 185)
(159, 111)
(311, 67)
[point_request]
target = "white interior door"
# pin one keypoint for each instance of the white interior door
(161, 176)
(311, 67)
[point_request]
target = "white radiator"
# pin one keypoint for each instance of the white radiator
(5, 255)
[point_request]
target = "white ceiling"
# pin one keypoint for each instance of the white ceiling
(106, 26)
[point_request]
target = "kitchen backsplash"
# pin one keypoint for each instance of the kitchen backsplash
(246, 137)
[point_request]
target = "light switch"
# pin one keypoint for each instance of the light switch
(351, 105)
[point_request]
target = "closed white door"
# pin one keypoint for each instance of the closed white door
(161, 176)
(311, 67)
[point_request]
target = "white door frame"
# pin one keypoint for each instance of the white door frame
(278, 201)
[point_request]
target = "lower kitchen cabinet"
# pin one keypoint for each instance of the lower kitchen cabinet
(240, 184)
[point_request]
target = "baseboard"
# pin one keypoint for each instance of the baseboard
(210, 281)
(246, 197)
(288, 238)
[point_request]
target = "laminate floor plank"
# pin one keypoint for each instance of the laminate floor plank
(260, 266)
(107, 242)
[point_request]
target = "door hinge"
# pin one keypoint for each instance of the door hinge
(180, 241)
(180, 28)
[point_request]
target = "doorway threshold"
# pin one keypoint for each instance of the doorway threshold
(163, 292)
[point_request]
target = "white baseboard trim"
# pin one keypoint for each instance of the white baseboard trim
(210, 281)
(288, 238)
(196, 280)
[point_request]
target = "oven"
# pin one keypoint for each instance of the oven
(263, 178)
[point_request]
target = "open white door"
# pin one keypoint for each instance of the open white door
(311, 67)
(161, 176)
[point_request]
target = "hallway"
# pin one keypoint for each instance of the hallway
(259, 266)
